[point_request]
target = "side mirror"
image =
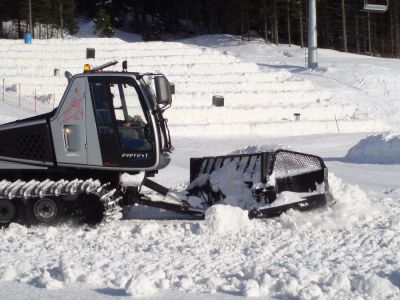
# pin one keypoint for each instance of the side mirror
(163, 90)
(172, 88)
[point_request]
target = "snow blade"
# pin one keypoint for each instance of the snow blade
(266, 175)
(309, 203)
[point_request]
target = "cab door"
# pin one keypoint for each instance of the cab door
(69, 125)
(126, 135)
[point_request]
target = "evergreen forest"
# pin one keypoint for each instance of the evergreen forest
(342, 24)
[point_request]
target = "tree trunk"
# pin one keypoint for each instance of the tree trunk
(382, 36)
(217, 19)
(392, 34)
(61, 20)
(136, 22)
(301, 24)
(344, 27)
(144, 18)
(364, 35)
(248, 20)
(288, 24)
(369, 35)
(19, 28)
(265, 21)
(30, 17)
(397, 29)
(357, 35)
(326, 20)
(242, 21)
(210, 17)
(276, 31)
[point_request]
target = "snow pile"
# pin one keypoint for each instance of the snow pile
(145, 285)
(126, 179)
(47, 282)
(351, 206)
(8, 273)
(373, 286)
(15, 230)
(381, 148)
(226, 219)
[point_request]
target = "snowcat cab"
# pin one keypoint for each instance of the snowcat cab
(105, 124)
(109, 121)
(72, 161)
(123, 127)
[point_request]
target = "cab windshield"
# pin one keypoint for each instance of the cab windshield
(148, 82)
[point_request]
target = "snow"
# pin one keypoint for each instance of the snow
(349, 208)
(87, 29)
(261, 93)
(142, 285)
(131, 180)
(383, 148)
(223, 219)
(345, 251)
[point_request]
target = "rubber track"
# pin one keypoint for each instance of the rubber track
(25, 190)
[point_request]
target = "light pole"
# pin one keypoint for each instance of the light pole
(312, 34)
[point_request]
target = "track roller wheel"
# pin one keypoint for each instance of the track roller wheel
(92, 208)
(8, 212)
(45, 210)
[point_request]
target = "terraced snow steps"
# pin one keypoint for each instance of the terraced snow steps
(253, 96)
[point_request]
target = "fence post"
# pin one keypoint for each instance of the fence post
(4, 88)
(19, 94)
(337, 125)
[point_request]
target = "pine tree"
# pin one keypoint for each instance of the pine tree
(69, 16)
(103, 24)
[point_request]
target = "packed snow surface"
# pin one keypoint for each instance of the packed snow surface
(346, 251)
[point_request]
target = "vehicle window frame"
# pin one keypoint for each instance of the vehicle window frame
(118, 80)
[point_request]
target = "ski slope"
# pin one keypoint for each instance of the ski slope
(346, 251)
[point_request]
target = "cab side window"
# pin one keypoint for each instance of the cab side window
(102, 106)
